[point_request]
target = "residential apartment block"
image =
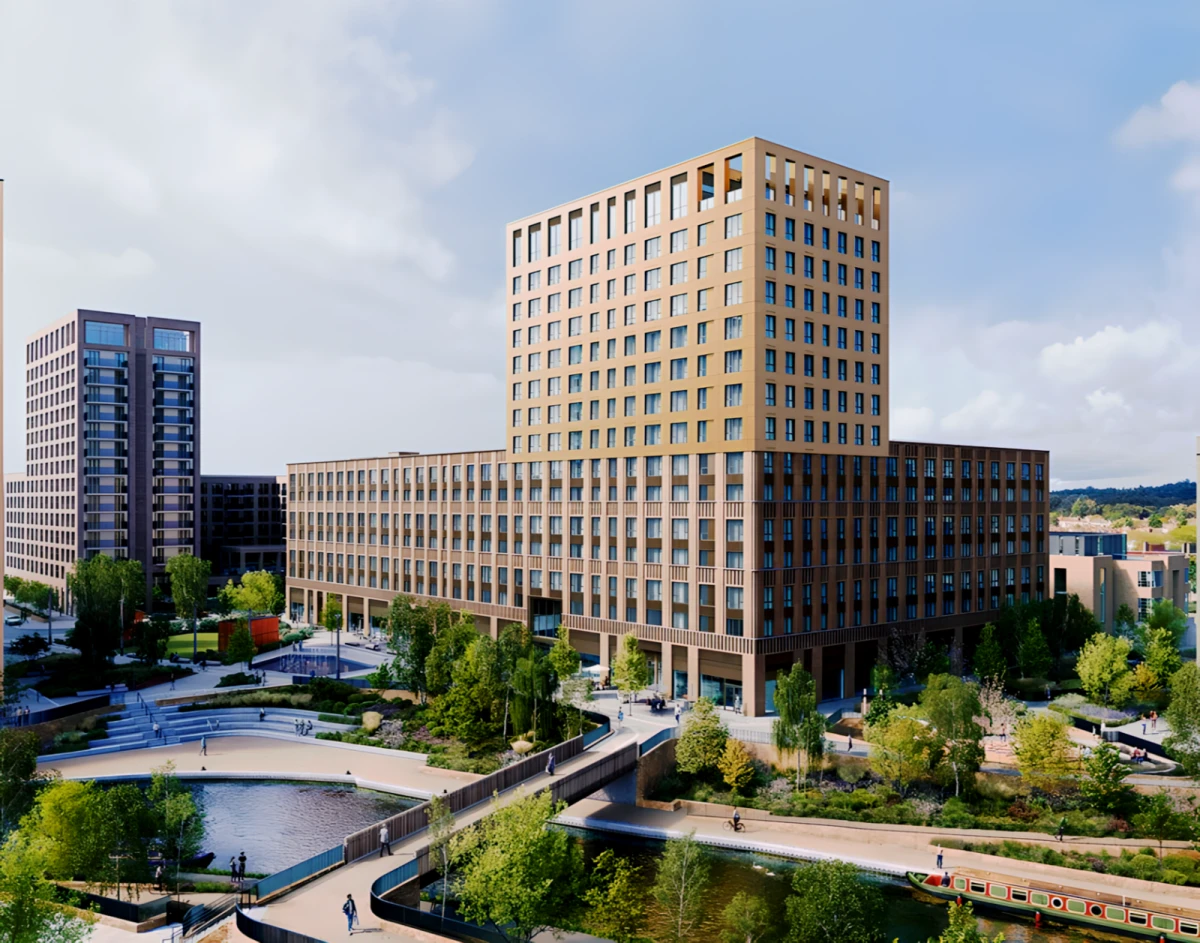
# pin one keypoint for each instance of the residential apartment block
(242, 524)
(112, 446)
(1105, 575)
(697, 449)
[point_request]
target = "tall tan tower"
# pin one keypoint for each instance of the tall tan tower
(1, 346)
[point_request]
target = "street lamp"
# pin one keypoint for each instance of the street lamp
(50, 618)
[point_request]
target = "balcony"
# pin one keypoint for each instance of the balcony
(175, 488)
(106, 450)
(101, 505)
(100, 394)
(106, 435)
(94, 526)
(103, 543)
(173, 541)
(173, 451)
(174, 504)
(106, 378)
(178, 399)
(105, 414)
(172, 381)
(105, 358)
(174, 437)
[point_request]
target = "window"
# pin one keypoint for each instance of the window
(165, 339)
(678, 196)
(733, 226)
(733, 292)
(679, 240)
(733, 260)
(733, 328)
(102, 332)
(653, 204)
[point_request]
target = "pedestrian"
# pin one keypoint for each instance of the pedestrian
(1143, 719)
(158, 877)
(620, 718)
(1153, 721)
(156, 731)
(209, 722)
(939, 858)
(1062, 827)
(172, 681)
(737, 819)
(850, 743)
(1047, 692)
(310, 726)
(204, 746)
(27, 721)
(677, 713)
(351, 912)
(217, 724)
(1004, 732)
(242, 866)
(262, 714)
(385, 844)
(232, 869)
(550, 765)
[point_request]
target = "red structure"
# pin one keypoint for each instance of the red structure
(262, 629)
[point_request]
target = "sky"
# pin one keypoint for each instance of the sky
(324, 185)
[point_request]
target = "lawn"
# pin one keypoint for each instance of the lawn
(182, 644)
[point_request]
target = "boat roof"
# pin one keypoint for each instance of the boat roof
(1128, 901)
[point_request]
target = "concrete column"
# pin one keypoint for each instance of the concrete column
(818, 666)
(754, 670)
(494, 627)
(851, 651)
(605, 661)
(693, 672)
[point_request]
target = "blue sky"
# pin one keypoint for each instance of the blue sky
(324, 186)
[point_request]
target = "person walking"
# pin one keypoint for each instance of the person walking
(351, 911)
(242, 866)
(1062, 827)
(262, 714)
(157, 734)
(158, 877)
(850, 743)
(232, 870)
(385, 844)
(620, 718)
(939, 857)
(1143, 720)
(678, 712)
(1153, 721)
(550, 765)
(204, 746)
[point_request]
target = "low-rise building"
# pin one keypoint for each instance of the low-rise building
(241, 524)
(1106, 575)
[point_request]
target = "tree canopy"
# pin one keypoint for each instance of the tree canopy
(1103, 668)
(1043, 750)
(831, 901)
(702, 741)
(799, 727)
(953, 708)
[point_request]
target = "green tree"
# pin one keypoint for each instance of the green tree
(331, 614)
(257, 592)
(615, 901)
(1103, 668)
(1155, 522)
(952, 706)
(1183, 718)
(470, 709)
(681, 886)
(150, 637)
(631, 670)
(1161, 821)
(736, 765)
(830, 901)
(963, 926)
(990, 662)
(904, 749)
(883, 680)
(1043, 751)
(563, 657)
(95, 583)
(1084, 507)
(410, 630)
(33, 594)
(28, 910)
(133, 591)
(799, 727)
(1033, 654)
(534, 684)
(1164, 615)
(189, 589)
(449, 645)
(1160, 654)
(702, 741)
(747, 919)
(241, 645)
(441, 834)
(19, 781)
(29, 646)
(1105, 786)
(515, 872)
(178, 821)
(12, 585)
(1125, 620)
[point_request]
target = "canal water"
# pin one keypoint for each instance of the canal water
(278, 824)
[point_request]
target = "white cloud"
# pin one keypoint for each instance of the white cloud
(1103, 401)
(1175, 117)
(1107, 349)
(911, 422)
(990, 411)
(51, 261)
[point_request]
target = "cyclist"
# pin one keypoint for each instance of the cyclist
(737, 820)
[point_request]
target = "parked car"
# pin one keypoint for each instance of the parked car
(14, 620)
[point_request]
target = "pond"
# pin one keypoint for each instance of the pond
(303, 663)
(278, 824)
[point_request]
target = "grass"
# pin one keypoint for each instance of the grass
(181, 645)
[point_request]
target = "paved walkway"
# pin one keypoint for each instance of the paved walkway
(269, 759)
(315, 909)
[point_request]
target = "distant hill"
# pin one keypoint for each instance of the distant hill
(1151, 497)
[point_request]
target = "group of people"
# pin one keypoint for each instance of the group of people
(18, 716)
(303, 727)
(1153, 721)
(237, 868)
(1139, 756)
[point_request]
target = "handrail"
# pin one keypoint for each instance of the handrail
(266, 932)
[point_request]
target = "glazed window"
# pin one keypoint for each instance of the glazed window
(1020, 895)
(1138, 920)
(978, 887)
(1114, 913)
(1076, 906)
(1191, 929)
(999, 891)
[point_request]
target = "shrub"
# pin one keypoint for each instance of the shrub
(1023, 812)
(1145, 867)
(371, 721)
(1173, 877)
(1183, 863)
(956, 814)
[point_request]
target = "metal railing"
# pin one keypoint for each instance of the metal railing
(667, 733)
(267, 933)
(273, 883)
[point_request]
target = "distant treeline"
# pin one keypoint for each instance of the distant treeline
(1151, 497)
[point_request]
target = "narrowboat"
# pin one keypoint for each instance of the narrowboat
(1105, 912)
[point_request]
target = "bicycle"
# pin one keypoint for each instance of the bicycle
(731, 826)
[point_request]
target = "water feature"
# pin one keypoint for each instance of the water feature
(304, 663)
(912, 918)
(278, 824)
